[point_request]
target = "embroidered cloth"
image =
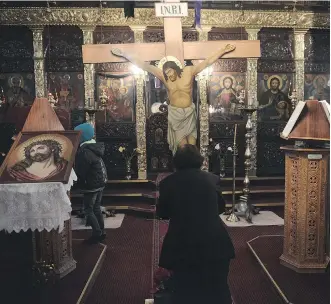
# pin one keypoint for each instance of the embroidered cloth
(38, 206)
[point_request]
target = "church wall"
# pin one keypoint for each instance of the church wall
(65, 75)
(230, 72)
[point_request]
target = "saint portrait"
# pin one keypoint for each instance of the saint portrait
(119, 95)
(224, 95)
(316, 87)
(274, 103)
(68, 88)
(18, 89)
(40, 158)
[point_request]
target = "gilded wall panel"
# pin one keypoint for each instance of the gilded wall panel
(113, 35)
(146, 17)
(16, 50)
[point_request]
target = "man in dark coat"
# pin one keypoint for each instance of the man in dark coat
(197, 247)
(92, 178)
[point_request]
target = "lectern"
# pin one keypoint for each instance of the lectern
(306, 180)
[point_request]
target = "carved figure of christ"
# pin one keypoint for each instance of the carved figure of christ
(182, 119)
(181, 113)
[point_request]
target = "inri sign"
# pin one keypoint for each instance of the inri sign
(176, 9)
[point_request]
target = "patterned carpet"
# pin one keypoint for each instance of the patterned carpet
(126, 275)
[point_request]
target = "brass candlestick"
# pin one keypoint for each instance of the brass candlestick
(248, 154)
(232, 216)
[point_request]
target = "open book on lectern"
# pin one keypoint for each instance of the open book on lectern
(310, 120)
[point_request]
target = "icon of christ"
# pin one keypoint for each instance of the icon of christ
(182, 118)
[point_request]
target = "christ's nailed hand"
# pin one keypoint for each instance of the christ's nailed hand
(117, 52)
(229, 48)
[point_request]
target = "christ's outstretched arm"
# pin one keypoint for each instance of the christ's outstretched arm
(213, 58)
(140, 64)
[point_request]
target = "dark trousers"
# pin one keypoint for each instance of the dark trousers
(202, 284)
(94, 217)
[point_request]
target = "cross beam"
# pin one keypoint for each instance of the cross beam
(173, 46)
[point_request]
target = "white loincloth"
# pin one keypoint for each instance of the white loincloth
(182, 122)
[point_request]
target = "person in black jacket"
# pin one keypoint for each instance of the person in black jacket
(92, 178)
(197, 247)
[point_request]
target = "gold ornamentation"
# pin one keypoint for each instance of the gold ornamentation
(141, 126)
(252, 99)
(140, 112)
(203, 81)
(146, 17)
(299, 59)
(89, 68)
(39, 61)
(204, 120)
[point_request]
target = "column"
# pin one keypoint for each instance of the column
(252, 98)
(39, 61)
(299, 59)
(140, 111)
(203, 80)
(89, 68)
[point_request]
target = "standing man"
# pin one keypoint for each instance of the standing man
(182, 118)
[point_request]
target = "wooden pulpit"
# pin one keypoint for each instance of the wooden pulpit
(306, 184)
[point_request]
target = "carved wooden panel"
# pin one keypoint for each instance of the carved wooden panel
(223, 133)
(227, 34)
(159, 157)
(190, 36)
(276, 44)
(114, 67)
(230, 65)
(116, 131)
(157, 35)
(305, 197)
(16, 49)
(317, 51)
(115, 135)
(275, 66)
(153, 35)
(113, 35)
(63, 47)
(270, 159)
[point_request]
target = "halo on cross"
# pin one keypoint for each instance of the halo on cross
(169, 58)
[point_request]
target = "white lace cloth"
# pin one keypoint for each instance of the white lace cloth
(39, 206)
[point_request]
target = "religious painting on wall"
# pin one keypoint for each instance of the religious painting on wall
(273, 99)
(118, 94)
(40, 157)
(18, 89)
(68, 88)
(317, 86)
(224, 90)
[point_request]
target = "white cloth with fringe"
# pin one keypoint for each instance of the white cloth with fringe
(35, 206)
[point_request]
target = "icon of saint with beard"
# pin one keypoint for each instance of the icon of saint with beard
(42, 161)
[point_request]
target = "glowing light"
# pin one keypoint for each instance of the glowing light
(136, 70)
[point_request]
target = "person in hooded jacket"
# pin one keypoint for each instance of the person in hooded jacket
(92, 178)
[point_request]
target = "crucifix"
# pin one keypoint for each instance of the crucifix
(178, 79)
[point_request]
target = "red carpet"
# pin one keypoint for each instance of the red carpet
(304, 288)
(125, 277)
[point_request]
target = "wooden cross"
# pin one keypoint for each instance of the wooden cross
(173, 46)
